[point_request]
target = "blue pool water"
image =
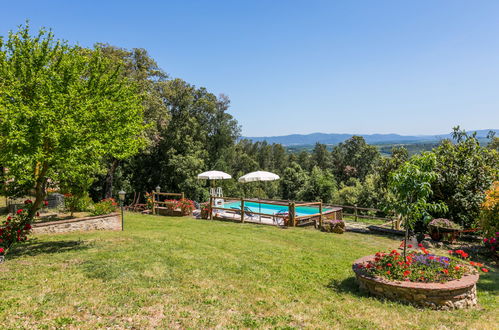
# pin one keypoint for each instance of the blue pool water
(272, 209)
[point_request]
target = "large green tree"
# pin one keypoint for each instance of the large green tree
(63, 109)
(354, 158)
(465, 171)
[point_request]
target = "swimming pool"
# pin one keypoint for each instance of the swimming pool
(273, 209)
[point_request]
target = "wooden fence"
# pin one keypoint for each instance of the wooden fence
(157, 203)
(357, 211)
(290, 219)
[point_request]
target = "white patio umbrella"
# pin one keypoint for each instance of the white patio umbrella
(258, 176)
(214, 175)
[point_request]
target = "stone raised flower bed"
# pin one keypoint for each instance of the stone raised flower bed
(455, 294)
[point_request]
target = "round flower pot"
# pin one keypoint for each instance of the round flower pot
(456, 294)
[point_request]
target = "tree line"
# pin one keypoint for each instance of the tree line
(95, 121)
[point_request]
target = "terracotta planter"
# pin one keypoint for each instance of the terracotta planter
(456, 294)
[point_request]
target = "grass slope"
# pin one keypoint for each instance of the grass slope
(179, 272)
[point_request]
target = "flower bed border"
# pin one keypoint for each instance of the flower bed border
(456, 294)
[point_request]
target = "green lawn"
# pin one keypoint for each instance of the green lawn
(181, 272)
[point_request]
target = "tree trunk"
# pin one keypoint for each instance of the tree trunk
(108, 184)
(40, 191)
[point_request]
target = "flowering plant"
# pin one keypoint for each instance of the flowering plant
(15, 229)
(172, 204)
(186, 205)
(444, 223)
(205, 210)
(105, 206)
(492, 243)
(420, 266)
(489, 214)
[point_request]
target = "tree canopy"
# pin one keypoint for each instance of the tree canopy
(63, 109)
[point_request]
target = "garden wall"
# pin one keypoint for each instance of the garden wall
(102, 222)
(456, 294)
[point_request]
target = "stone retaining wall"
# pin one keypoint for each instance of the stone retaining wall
(455, 294)
(102, 222)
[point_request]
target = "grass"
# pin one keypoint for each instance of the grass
(186, 273)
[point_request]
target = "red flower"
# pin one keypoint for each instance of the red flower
(389, 265)
(485, 240)
(420, 245)
(46, 203)
(9, 217)
(2, 250)
(450, 252)
(388, 272)
(407, 272)
(456, 268)
(28, 201)
(445, 271)
(485, 270)
(409, 246)
(19, 211)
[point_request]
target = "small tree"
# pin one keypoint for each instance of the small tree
(411, 184)
(62, 110)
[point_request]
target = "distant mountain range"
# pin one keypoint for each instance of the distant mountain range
(333, 138)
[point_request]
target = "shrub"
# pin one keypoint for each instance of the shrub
(186, 205)
(444, 223)
(334, 226)
(105, 206)
(76, 203)
(489, 214)
(421, 266)
(205, 210)
(172, 204)
(15, 229)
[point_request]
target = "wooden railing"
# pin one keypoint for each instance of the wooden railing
(156, 202)
(394, 219)
(292, 219)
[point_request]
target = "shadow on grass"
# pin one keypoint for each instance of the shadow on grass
(33, 248)
(488, 282)
(348, 285)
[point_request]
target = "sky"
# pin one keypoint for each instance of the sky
(360, 67)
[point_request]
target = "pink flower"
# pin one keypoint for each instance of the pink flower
(485, 240)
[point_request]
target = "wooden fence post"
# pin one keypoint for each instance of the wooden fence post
(153, 202)
(320, 216)
(183, 196)
(242, 209)
(293, 214)
(210, 209)
(355, 211)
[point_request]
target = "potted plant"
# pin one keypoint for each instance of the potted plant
(443, 229)
(205, 211)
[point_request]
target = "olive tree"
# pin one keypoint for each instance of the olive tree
(63, 109)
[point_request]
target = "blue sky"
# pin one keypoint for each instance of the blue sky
(408, 67)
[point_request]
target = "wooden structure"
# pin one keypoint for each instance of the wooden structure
(157, 204)
(288, 219)
(359, 213)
